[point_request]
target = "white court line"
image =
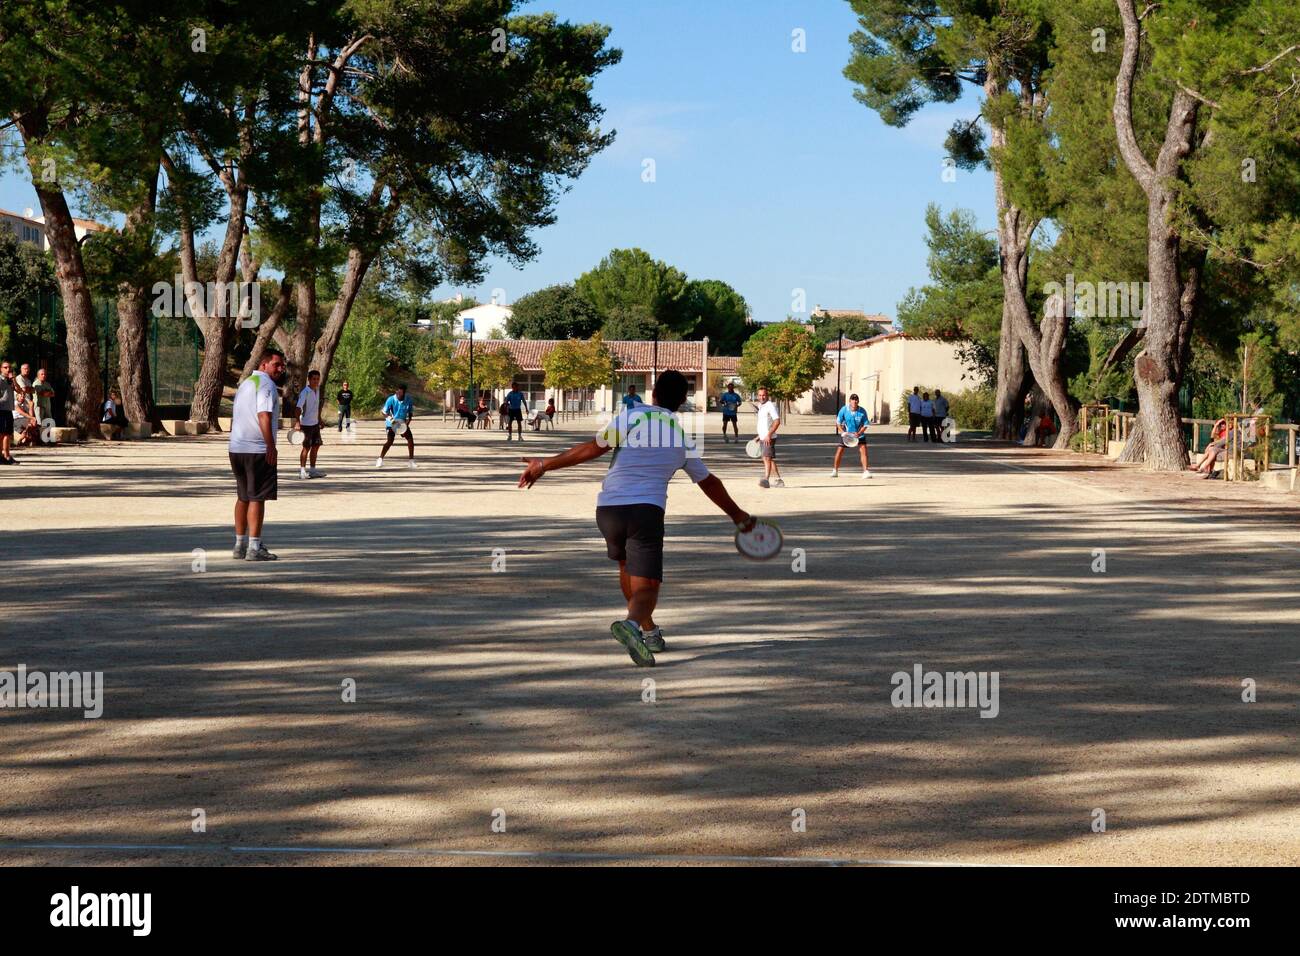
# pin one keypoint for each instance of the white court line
(1148, 505)
(501, 854)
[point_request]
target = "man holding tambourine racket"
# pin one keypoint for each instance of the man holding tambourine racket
(397, 416)
(851, 423)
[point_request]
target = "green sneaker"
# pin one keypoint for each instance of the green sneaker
(654, 640)
(629, 635)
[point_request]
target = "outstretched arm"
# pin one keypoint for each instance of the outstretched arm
(576, 455)
(717, 493)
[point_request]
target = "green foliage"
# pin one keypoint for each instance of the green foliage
(715, 310)
(579, 365)
(632, 323)
(631, 280)
(786, 358)
(443, 370)
(361, 359)
(972, 409)
(1100, 384)
(827, 328)
(964, 298)
(555, 312)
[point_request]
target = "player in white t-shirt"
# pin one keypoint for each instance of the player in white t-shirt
(769, 420)
(253, 423)
(309, 424)
(913, 412)
(650, 446)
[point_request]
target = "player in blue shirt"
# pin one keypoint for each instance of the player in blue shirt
(852, 420)
(398, 409)
(632, 399)
(515, 404)
(730, 402)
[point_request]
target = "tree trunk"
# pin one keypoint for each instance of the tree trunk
(323, 356)
(133, 378)
(1009, 401)
(1170, 308)
(133, 374)
(267, 328)
(300, 342)
(1013, 250)
(85, 388)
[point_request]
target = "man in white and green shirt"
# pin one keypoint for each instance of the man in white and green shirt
(649, 447)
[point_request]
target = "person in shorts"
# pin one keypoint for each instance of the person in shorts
(649, 447)
(730, 402)
(769, 420)
(309, 424)
(913, 413)
(344, 400)
(8, 396)
(253, 455)
(852, 420)
(398, 408)
(513, 407)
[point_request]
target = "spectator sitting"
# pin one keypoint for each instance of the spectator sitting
(1046, 430)
(112, 415)
(463, 410)
(1218, 444)
(550, 409)
(482, 413)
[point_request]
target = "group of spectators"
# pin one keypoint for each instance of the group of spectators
(26, 401)
(927, 414)
(481, 414)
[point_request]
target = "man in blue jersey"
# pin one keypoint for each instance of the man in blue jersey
(514, 406)
(730, 403)
(852, 420)
(398, 409)
(631, 399)
(650, 446)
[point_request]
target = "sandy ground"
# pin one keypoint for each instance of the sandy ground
(480, 691)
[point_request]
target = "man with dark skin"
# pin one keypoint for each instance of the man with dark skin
(650, 446)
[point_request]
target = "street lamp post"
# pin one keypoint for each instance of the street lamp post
(839, 370)
(469, 327)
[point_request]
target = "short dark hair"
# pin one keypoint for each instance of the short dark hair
(313, 372)
(853, 397)
(270, 354)
(670, 390)
(402, 387)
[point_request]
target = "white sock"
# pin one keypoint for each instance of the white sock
(241, 541)
(254, 544)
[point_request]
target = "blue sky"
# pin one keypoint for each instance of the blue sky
(769, 175)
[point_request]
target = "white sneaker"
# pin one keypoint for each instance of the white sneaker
(379, 463)
(867, 473)
(778, 483)
(302, 473)
(412, 464)
(835, 472)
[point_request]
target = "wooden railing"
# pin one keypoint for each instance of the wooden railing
(1282, 436)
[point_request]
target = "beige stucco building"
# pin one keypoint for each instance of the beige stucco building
(880, 369)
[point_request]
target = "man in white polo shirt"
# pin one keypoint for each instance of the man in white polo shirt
(309, 424)
(769, 420)
(252, 454)
(650, 446)
(913, 412)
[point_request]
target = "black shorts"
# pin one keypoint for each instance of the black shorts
(6, 422)
(634, 534)
(913, 419)
(516, 414)
(407, 434)
(311, 436)
(255, 479)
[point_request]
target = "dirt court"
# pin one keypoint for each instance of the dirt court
(481, 693)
